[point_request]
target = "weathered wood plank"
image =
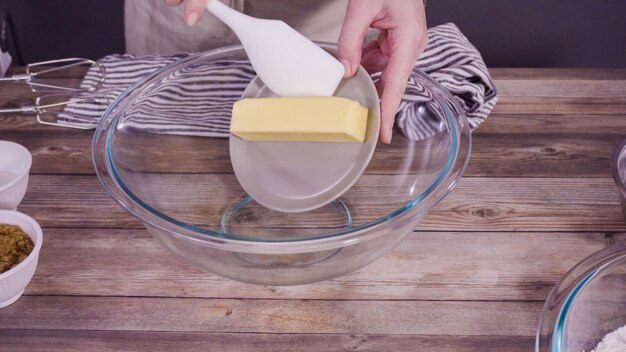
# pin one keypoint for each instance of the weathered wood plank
(509, 73)
(522, 91)
(496, 72)
(543, 155)
(480, 204)
(109, 341)
(531, 91)
(507, 104)
(11, 123)
(583, 89)
(570, 106)
(55, 150)
(505, 146)
(426, 266)
(14, 93)
(74, 201)
(496, 123)
(272, 316)
(72, 72)
(533, 125)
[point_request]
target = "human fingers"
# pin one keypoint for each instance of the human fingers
(374, 61)
(194, 10)
(374, 54)
(369, 46)
(404, 52)
(359, 15)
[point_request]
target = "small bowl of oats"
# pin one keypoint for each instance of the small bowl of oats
(20, 243)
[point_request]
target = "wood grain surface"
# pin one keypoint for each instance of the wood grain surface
(110, 341)
(508, 146)
(537, 198)
(498, 266)
(477, 204)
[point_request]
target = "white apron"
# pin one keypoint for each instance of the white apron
(151, 27)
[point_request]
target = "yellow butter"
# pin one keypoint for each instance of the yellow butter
(309, 119)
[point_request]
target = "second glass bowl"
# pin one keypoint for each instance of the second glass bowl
(588, 303)
(619, 173)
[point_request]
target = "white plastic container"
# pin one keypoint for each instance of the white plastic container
(15, 162)
(14, 281)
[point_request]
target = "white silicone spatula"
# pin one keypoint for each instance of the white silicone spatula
(285, 60)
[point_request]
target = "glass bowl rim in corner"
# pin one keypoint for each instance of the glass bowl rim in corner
(615, 161)
(554, 314)
(114, 185)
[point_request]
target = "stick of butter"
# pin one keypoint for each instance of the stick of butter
(307, 119)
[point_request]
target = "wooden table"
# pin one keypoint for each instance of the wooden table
(538, 197)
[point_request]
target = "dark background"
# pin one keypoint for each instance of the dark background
(520, 33)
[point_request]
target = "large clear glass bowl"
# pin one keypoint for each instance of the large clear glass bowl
(183, 189)
(588, 303)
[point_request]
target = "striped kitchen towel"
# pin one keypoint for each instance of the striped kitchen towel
(200, 103)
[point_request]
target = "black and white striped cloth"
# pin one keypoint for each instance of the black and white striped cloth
(199, 103)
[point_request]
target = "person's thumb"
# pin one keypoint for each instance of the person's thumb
(358, 18)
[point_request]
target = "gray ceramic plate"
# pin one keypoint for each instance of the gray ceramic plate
(302, 176)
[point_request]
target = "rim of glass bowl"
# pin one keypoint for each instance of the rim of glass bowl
(105, 167)
(621, 150)
(560, 300)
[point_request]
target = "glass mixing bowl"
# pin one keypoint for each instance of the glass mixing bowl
(183, 189)
(588, 303)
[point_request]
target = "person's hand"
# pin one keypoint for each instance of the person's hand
(394, 52)
(193, 9)
(402, 39)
